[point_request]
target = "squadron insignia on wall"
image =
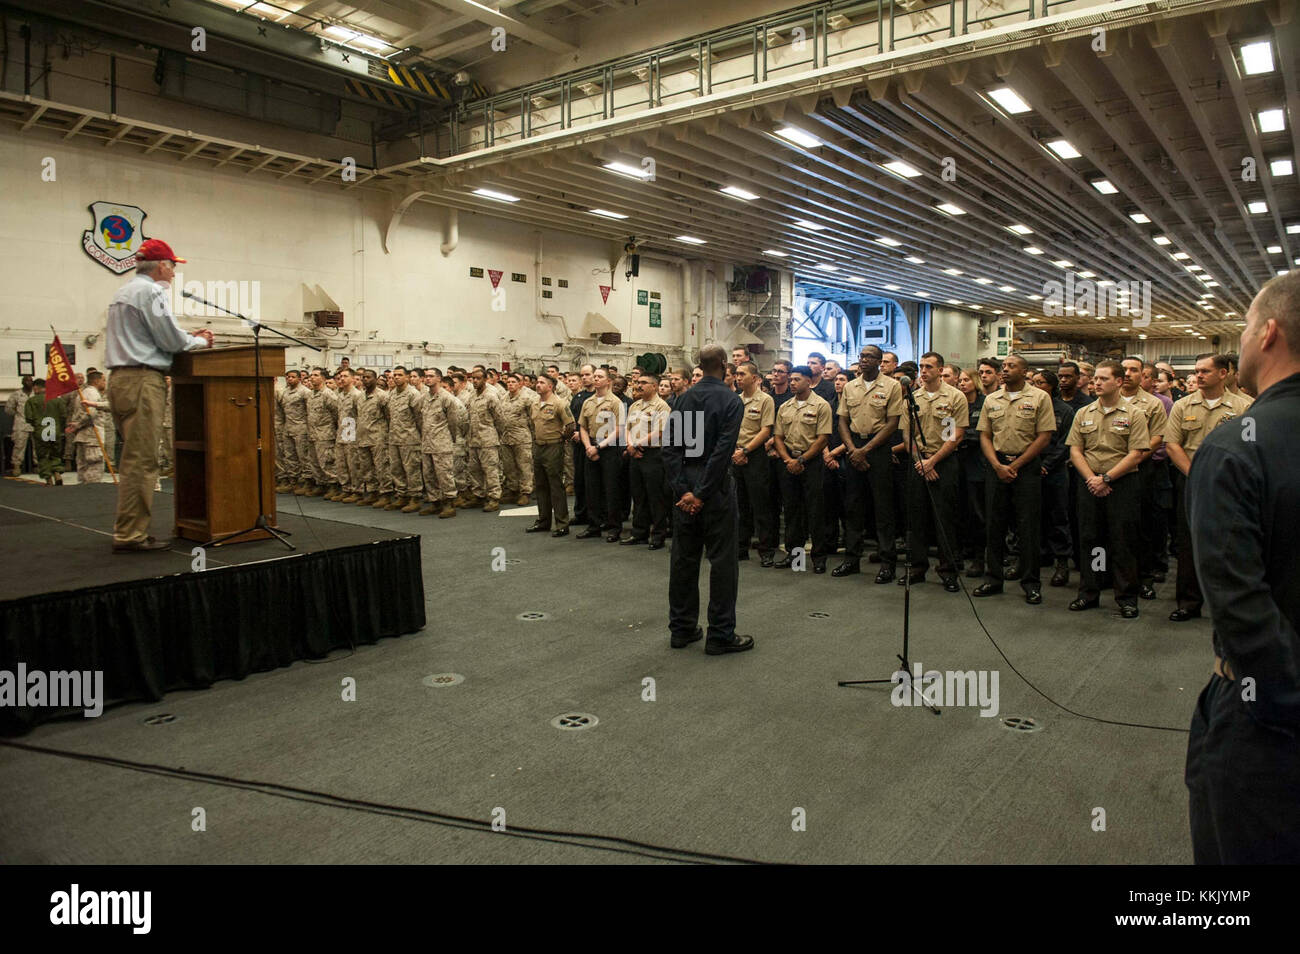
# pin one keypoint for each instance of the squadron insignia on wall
(115, 235)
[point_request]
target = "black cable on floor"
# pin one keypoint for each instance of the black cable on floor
(612, 843)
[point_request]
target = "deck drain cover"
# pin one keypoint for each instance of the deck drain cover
(819, 614)
(162, 718)
(572, 721)
(513, 562)
(532, 617)
(1021, 724)
(440, 680)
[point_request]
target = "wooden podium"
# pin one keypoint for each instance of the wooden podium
(214, 431)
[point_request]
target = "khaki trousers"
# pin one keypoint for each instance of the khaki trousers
(404, 462)
(439, 476)
(137, 398)
(548, 474)
(517, 461)
(485, 472)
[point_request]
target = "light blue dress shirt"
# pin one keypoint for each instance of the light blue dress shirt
(142, 329)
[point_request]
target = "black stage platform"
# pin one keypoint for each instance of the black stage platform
(153, 622)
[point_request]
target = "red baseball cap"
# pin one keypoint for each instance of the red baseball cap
(156, 250)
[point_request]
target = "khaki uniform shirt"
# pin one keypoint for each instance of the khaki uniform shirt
(601, 416)
(86, 421)
(938, 412)
(515, 410)
(1015, 424)
(1107, 435)
(404, 416)
(800, 426)
(440, 415)
(867, 404)
(1191, 418)
(1151, 409)
(372, 418)
(760, 412)
(550, 416)
(646, 420)
(322, 415)
(562, 391)
(487, 422)
(293, 402)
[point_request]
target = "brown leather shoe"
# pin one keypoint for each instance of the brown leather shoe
(492, 505)
(381, 503)
(524, 500)
(149, 543)
(412, 506)
(447, 510)
(428, 510)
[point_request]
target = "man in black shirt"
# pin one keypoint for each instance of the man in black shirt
(580, 515)
(1069, 382)
(1243, 498)
(822, 386)
(705, 514)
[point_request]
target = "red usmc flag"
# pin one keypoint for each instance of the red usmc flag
(59, 378)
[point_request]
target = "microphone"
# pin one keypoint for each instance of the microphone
(905, 381)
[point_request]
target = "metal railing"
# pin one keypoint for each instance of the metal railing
(801, 40)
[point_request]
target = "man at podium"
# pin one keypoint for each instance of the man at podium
(142, 338)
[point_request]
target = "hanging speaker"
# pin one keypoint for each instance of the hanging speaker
(636, 266)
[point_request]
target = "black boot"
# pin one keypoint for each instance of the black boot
(1062, 575)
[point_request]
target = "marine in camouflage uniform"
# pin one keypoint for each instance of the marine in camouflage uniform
(517, 440)
(441, 419)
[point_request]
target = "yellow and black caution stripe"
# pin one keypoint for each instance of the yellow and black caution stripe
(405, 77)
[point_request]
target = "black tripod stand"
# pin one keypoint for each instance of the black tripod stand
(260, 523)
(917, 456)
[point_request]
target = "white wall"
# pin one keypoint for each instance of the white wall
(955, 335)
(240, 227)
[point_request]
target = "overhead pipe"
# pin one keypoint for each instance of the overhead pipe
(451, 235)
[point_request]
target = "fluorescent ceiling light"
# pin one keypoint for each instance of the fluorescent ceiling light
(1211, 284)
(891, 242)
(1140, 218)
(856, 279)
(1161, 239)
(1062, 263)
(1181, 256)
(1284, 271)
(900, 168)
(634, 172)
(797, 136)
(607, 213)
(1020, 229)
(921, 294)
(953, 301)
(1087, 274)
(1142, 337)
(1293, 228)
(1193, 268)
(1275, 250)
(1035, 297)
(499, 196)
(1257, 57)
(1271, 120)
(690, 240)
(1104, 186)
(1009, 100)
(1104, 283)
(1281, 167)
(983, 281)
(914, 260)
(1034, 321)
(892, 287)
(1022, 314)
(827, 268)
(773, 252)
(1033, 250)
(811, 226)
(997, 312)
(1258, 207)
(738, 193)
(1063, 149)
(1006, 288)
(950, 208)
(952, 271)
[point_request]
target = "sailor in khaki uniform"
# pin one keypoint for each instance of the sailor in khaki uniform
(1016, 424)
(647, 418)
(750, 465)
(552, 427)
(869, 411)
(441, 418)
(600, 426)
(932, 473)
(1107, 442)
(1132, 393)
(404, 424)
(486, 422)
(803, 429)
(517, 440)
(322, 429)
(1190, 420)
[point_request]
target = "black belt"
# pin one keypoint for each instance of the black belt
(134, 367)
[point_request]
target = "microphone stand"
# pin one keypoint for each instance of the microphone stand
(917, 455)
(260, 523)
